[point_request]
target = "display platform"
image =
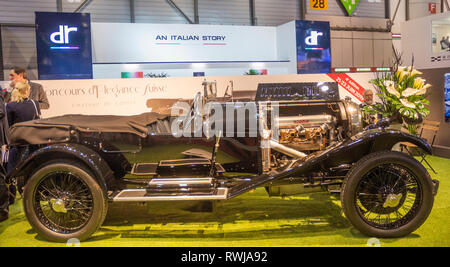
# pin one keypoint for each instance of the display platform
(251, 220)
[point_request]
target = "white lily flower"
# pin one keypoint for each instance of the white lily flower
(410, 92)
(416, 72)
(423, 90)
(406, 103)
(391, 89)
(401, 68)
(388, 83)
(400, 72)
(402, 75)
(418, 83)
(427, 86)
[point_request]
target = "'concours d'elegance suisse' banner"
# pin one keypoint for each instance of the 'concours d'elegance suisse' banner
(131, 96)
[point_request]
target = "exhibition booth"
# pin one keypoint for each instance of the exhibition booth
(264, 112)
(433, 59)
(82, 65)
(78, 49)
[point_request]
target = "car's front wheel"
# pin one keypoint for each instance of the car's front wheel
(63, 201)
(387, 194)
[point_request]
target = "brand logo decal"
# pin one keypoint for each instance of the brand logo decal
(436, 59)
(313, 39)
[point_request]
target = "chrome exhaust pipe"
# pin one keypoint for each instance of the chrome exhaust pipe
(286, 150)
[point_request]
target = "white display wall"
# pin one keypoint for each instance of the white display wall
(181, 50)
(132, 43)
(417, 43)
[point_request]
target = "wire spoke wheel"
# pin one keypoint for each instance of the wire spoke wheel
(388, 196)
(63, 202)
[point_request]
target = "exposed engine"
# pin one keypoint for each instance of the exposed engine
(307, 133)
(311, 115)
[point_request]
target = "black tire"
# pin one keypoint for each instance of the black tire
(77, 189)
(365, 200)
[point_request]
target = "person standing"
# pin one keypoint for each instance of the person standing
(21, 109)
(4, 198)
(37, 93)
(368, 98)
(4, 189)
(444, 43)
(369, 119)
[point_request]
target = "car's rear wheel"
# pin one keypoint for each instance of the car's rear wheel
(63, 201)
(387, 194)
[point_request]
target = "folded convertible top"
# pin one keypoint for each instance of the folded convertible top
(57, 129)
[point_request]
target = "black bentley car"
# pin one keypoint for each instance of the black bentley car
(73, 166)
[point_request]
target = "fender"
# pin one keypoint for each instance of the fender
(386, 139)
(346, 152)
(103, 174)
(368, 142)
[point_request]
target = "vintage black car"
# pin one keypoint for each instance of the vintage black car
(72, 166)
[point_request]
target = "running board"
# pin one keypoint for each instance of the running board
(180, 183)
(181, 186)
(141, 195)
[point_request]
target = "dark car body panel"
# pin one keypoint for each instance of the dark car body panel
(109, 164)
(349, 151)
(72, 152)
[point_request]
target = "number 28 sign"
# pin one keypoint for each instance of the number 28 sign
(318, 4)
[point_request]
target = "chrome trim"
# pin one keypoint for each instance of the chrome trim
(292, 122)
(136, 165)
(168, 163)
(58, 205)
(184, 181)
(286, 150)
(140, 195)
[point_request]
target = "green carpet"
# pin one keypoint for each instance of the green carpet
(252, 220)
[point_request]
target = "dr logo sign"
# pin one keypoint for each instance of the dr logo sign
(63, 44)
(313, 39)
(62, 36)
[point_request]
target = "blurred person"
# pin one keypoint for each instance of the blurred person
(21, 109)
(369, 119)
(368, 98)
(37, 93)
(447, 40)
(4, 199)
(4, 189)
(444, 43)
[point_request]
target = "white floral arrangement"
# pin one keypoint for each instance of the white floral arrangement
(404, 95)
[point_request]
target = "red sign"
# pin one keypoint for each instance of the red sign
(348, 84)
(432, 7)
